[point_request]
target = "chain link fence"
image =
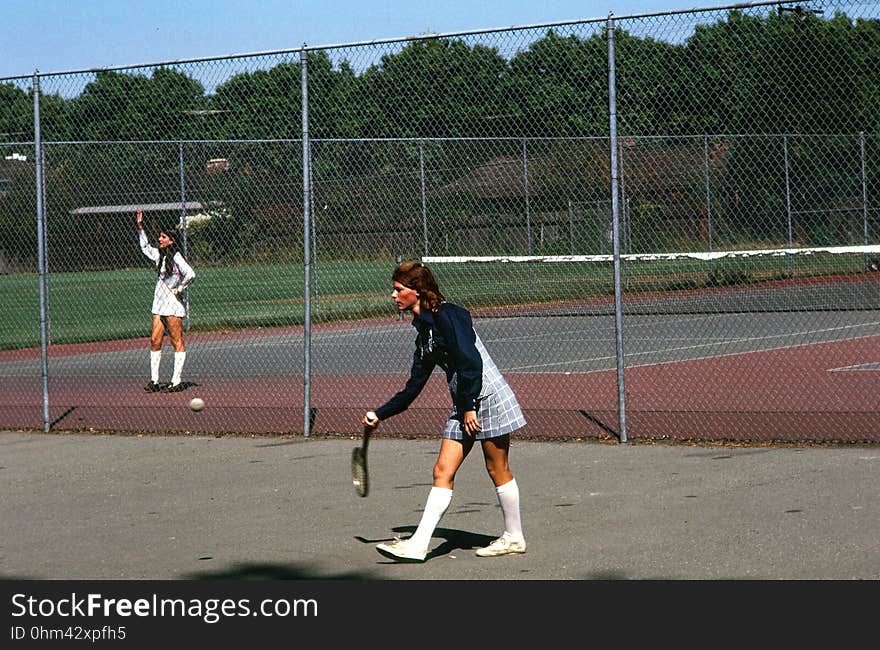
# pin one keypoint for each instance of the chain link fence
(741, 142)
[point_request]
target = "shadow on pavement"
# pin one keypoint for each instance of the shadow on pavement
(454, 539)
(262, 571)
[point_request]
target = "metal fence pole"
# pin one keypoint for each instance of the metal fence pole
(525, 155)
(307, 199)
(627, 242)
(615, 229)
(526, 190)
(788, 200)
(184, 224)
(708, 201)
(315, 289)
(424, 198)
(708, 193)
(864, 189)
(787, 189)
(41, 253)
(397, 261)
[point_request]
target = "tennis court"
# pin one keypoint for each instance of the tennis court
(738, 376)
(742, 216)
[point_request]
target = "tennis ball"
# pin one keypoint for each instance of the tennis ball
(197, 404)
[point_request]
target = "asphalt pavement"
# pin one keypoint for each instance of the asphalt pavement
(187, 507)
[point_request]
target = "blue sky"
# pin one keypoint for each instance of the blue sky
(62, 35)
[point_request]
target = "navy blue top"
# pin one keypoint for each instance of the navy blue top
(446, 339)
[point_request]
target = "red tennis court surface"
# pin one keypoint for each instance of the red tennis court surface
(824, 392)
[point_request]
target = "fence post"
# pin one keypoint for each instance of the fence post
(615, 230)
(424, 199)
(788, 201)
(525, 155)
(787, 189)
(626, 242)
(315, 288)
(397, 260)
(708, 201)
(307, 200)
(864, 189)
(42, 243)
(708, 193)
(184, 223)
(526, 190)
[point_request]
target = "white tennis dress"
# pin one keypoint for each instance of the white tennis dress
(165, 302)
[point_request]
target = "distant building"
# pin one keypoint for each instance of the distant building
(216, 165)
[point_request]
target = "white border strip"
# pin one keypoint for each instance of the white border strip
(833, 250)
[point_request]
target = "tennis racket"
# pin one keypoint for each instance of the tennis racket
(359, 475)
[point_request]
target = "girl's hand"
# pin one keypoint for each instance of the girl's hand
(371, 420)
(140, 219)
(471, 423)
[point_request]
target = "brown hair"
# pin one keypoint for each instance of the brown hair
(166, 255)
(416, 275)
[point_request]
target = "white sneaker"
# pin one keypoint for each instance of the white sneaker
(401, 549)
(504, 545)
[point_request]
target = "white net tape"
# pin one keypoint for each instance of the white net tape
(714, 255)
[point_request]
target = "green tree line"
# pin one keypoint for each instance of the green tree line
(779, 73)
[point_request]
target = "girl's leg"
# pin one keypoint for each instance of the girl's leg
(452, 454)
(157, 333)
(175, 332)
(496, 452)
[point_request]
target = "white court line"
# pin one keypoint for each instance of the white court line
(596, 333)
(273, 340)
(862, 367)
(554, 334)
(706, 345)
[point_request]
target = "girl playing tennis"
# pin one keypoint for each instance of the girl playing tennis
(173, 276)
(484, 409)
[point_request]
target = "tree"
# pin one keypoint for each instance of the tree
(432, 88)
(558, 87)
(16, 114)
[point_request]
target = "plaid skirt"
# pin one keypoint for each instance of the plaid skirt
(497, 409)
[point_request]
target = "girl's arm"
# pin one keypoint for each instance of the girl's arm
(187, 275)
(458, 330)
(418, 377)
(148, 250)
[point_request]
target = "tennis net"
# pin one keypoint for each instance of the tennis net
(839, 278)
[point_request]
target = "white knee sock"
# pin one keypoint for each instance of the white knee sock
(179, 358)
(435, 506)
(155, 359)
(508, 497)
